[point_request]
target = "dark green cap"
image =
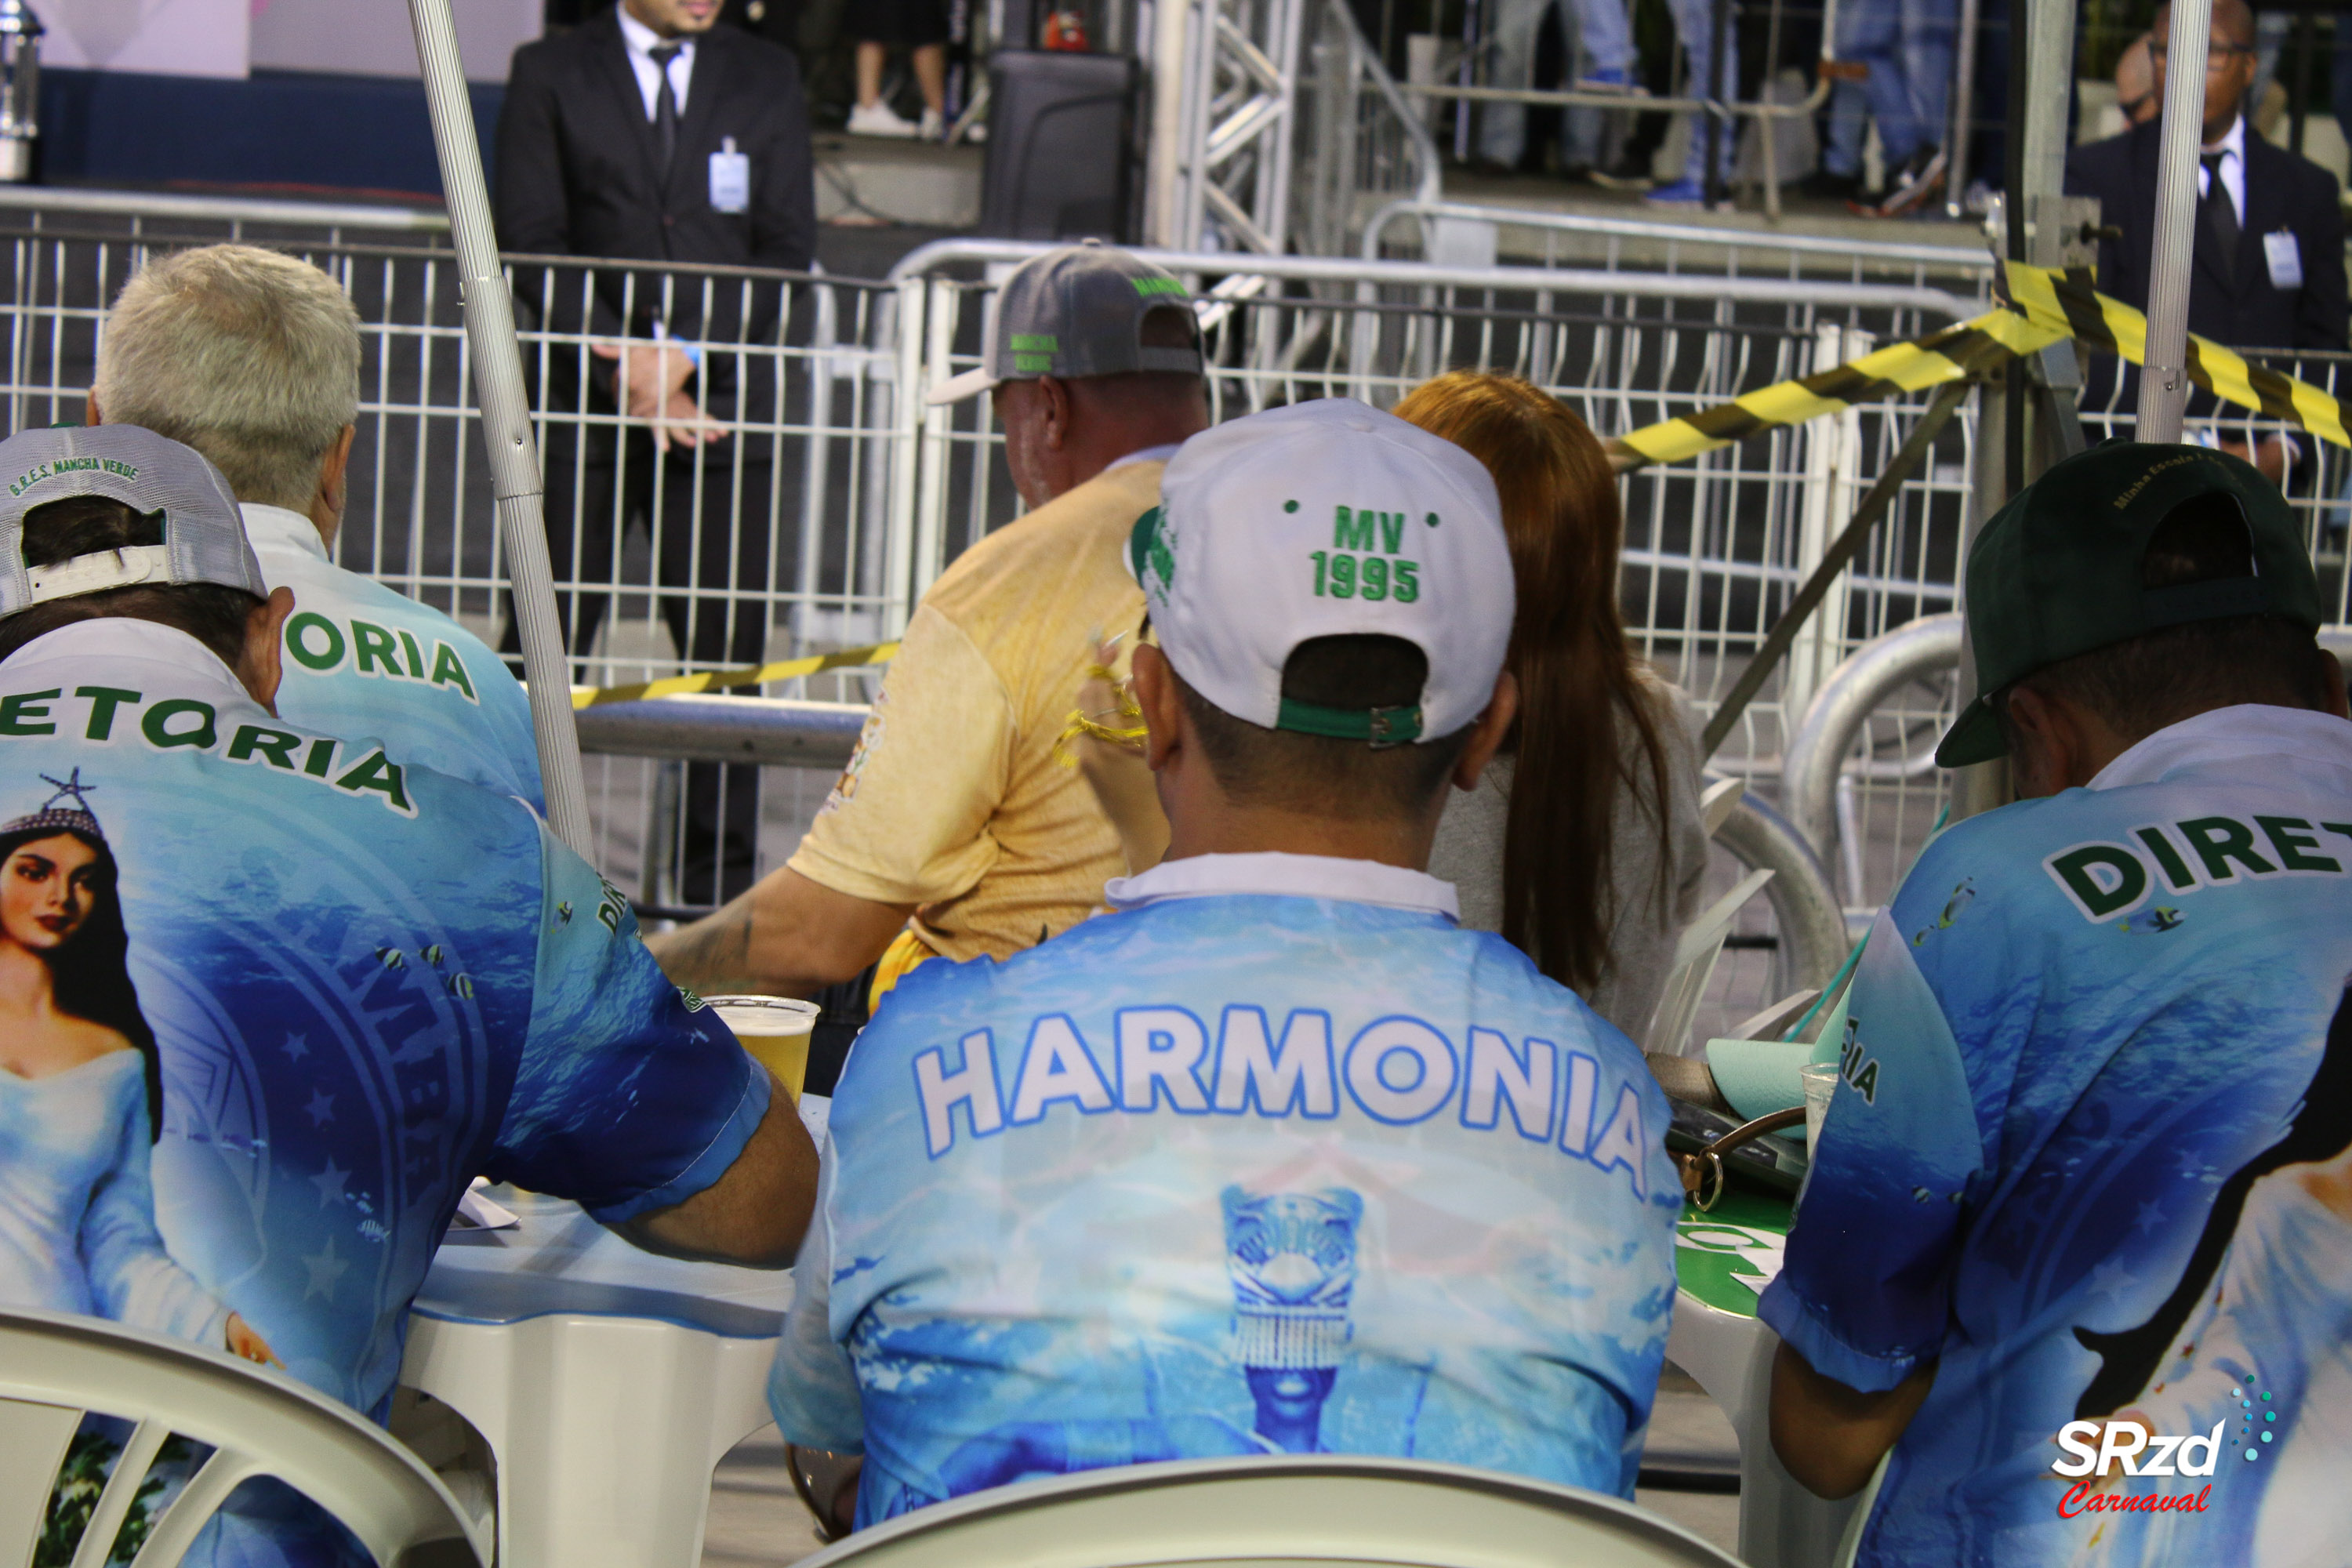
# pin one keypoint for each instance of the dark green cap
(2056, 572)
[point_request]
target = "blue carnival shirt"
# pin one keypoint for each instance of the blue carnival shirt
(2081, 1034)
(362, 659)
(1274, 1158)
(366, 983)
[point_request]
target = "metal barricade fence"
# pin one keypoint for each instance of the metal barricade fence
(837, 493)
(1419, 228)
(1714, 548)
(766, 544)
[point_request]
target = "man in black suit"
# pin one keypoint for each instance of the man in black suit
(644, 133)
(2269, 265)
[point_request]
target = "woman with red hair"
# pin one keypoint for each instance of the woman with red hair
(1582, 844)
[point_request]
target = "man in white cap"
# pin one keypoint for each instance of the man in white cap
(955, 810)
(314, 987)
(1275, 1157)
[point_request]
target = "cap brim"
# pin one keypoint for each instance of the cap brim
(1975, 737)
(956, 388)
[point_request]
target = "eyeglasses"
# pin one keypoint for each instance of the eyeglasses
(2217, 56)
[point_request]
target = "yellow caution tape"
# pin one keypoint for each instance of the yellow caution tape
(2048, 305)
(720, 679)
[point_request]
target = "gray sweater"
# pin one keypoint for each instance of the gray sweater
(1643, 926)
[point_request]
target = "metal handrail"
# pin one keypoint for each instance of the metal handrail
(225, 209)
(1959, 259)
(1816, 753)
(1354, 271)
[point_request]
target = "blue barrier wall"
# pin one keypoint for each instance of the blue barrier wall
(348, 134)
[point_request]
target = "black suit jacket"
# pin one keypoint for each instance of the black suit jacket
(578, 177)
(2234, 305)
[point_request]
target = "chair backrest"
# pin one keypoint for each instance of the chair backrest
(56, 1368)
(1330, 1508)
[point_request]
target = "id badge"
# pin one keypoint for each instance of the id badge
(2285, 258)
(731, 183)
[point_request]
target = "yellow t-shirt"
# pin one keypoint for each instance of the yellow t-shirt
(952, 801)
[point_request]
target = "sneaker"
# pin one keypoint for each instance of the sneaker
(878, 119)
(1617, 81)
(1628, 173)
(1683, 193)
(932, 128)
(1921, 177)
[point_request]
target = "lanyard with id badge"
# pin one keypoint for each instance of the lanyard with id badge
(730, 179)
(2285, 258)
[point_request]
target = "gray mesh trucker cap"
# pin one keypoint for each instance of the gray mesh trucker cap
(204, 532)
(1076, 311)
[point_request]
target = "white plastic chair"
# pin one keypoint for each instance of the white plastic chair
(1781, 1525)
(55, 1368)
(1296, 1509)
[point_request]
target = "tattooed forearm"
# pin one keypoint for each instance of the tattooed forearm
(712, 954)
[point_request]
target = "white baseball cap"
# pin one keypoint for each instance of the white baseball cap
(1328, 518)
(204, 531)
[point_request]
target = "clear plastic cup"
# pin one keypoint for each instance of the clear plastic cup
(774, 1029)
(1820, 1082)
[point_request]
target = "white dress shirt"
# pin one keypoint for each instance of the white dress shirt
(642, 41)
(2233, 148)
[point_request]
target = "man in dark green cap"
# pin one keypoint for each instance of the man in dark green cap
(2079, 1038)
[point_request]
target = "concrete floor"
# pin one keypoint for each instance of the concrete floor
(757, 1520)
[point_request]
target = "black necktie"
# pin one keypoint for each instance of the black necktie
(664, 104)
(2219, 215)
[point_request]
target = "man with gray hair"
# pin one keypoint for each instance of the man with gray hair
(253, 358)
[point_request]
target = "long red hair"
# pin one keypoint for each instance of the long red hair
(1578, 681)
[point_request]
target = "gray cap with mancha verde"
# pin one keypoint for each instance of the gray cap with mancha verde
(1076, 311)
(2056, 572)
(204, 532)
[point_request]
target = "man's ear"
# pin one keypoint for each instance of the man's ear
(264, 664)
(89, 414)
(1053, 424)
(1487, 736)
(2331, 679)
(334, 485)
(1163, 710)
(2047, 739)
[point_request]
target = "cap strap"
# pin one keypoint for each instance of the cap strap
(1381, 726)
(2209, 601)
(95, 574)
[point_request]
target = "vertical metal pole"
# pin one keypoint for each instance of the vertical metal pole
(1963, 117)
(2041, 73)
(2164, 378)
(1162, 163)
(505, 422)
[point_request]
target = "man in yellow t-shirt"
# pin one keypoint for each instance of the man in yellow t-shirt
(954, 809)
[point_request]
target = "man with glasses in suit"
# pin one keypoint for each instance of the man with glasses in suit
(2268, 235)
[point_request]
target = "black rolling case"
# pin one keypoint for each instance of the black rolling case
(1061, 146)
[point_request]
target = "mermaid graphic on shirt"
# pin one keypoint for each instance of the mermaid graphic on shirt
(81, 1093)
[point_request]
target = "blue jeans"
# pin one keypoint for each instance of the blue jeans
(1907, 45)
(1605, 33)
(1603, 42)
(1849, 125)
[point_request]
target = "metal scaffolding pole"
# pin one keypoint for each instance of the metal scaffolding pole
(505, 422)
(2164, 378)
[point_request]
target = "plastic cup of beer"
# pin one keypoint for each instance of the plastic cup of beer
(774, 1029)
(1820, 1082)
